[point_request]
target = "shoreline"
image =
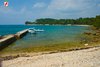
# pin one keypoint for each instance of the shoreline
(29, 54)
(84, 58)
(81, 25)
(53, 25)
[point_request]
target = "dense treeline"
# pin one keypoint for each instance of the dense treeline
(64, 21)
(96, 22)
(81, 21)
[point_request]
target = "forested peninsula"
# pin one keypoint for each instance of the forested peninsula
(95, 21)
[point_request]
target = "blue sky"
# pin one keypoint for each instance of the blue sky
(20, 11)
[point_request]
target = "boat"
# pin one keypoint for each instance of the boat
(38, 30)
(33, 30)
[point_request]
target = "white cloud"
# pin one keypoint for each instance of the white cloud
(63, 4)
(39, 5)
(63, 8)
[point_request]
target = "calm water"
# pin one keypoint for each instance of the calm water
(51, 35)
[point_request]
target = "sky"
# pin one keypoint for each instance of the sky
(20, 11)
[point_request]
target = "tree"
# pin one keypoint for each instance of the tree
(97, 22)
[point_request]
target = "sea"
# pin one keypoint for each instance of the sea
(51, 35)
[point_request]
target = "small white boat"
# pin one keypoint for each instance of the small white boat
(31, 31)
(38, 30)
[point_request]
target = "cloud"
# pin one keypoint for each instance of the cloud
(39, 5)
(64, 4)
(11, 15)
(69, 8)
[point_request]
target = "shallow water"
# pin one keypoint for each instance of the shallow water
(51, 35)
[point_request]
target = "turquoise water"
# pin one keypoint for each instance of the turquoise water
(51, 35)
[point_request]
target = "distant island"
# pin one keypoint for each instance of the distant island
(95, 21)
